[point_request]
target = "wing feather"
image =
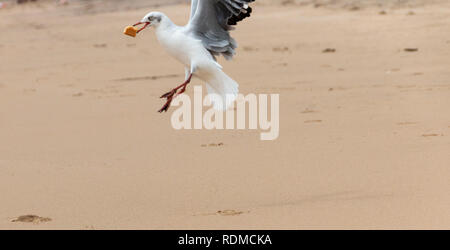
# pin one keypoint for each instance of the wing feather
(211, 21)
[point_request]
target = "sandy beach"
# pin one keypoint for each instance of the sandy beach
(364, 121)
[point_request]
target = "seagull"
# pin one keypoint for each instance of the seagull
(198, 44)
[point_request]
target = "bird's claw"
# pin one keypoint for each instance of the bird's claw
(165, 107)
(170, 95)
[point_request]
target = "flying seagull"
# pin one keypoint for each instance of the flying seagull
(197, 44)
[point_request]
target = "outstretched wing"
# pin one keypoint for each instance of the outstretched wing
(211, 21)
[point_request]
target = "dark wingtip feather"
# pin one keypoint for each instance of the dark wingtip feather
(233, 20)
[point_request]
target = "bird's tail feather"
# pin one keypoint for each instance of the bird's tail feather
(222, 91)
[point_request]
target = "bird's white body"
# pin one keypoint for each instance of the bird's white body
(174, 40)
(197, 60)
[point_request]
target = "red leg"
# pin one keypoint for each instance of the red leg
(173, 93)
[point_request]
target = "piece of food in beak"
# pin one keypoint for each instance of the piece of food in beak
(131, 31)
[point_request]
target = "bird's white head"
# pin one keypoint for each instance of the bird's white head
(151, 19)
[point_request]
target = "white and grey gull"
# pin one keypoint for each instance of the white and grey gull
(197, 44)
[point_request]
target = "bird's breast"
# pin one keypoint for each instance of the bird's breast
(177, 45)
(182, 47)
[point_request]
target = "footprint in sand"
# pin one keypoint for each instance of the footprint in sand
(220, 144)
(411, 49)
(313, 121)
(249, 48)
(281, 49)
(230, 213)
(100, 45)
(287, 2)
(31, 219)
(37, 26)
(329, 50)
(282, 64)
(432, 135)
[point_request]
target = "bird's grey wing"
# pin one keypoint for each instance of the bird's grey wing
(212, 20)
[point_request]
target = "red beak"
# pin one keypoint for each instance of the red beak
(145, 26)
